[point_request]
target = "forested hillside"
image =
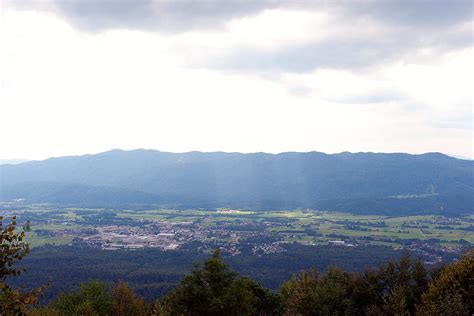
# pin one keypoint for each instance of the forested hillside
(402, 287)
(361, 182)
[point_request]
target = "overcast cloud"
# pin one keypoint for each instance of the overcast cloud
(82, 76)
(183, 15)
(356, 33)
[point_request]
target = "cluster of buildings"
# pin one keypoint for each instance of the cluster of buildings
(164, 235)
(267, 248)
(168, 235)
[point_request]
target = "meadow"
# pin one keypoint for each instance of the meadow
(59, 226)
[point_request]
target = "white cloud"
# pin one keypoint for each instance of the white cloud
(64, 91)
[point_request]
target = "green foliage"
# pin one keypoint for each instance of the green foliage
(153, 272)
(216, 290)
(394, 289)
(405, 281)
(309, 293)
(125, 302)
(91, 299)
(452, 292)
(298, 294)
(12, 250)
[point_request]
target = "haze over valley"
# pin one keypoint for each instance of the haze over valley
(235, 157)
(390, 184)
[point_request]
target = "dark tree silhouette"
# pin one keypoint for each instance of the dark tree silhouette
(217, 290)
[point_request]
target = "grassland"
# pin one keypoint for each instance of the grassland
(60, 226)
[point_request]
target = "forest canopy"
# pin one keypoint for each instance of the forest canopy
(402, 287)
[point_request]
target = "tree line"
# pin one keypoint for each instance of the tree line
(402, 287)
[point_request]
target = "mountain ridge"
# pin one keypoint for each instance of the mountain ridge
(289, 179)
(118, 150)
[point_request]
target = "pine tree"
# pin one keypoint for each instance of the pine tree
(215, 289)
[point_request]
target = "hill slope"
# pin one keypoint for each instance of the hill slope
(248, 180)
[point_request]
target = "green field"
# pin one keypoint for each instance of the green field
(59, 226)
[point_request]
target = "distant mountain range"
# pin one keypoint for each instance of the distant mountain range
(12, 161)
(356, 182)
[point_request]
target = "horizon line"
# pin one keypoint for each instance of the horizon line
(4, 161)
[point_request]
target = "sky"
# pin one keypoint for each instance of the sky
(83, 76)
